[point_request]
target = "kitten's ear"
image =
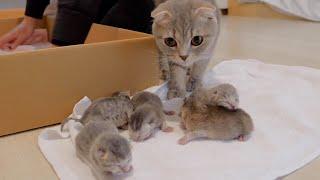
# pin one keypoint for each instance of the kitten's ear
(161, 16)
(206, 10)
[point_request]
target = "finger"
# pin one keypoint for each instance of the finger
(33, 40)
(39, 39)
(38, 36)
(6, 47)
(7, 38)
(29, 41)
(18, 42)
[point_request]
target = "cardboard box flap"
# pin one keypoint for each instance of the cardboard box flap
(103, 33)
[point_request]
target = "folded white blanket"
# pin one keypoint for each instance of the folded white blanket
(308, 9)
(27, 48)
(283, 102)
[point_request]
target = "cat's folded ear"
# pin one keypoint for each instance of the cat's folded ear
(206, 10)
(161, 15)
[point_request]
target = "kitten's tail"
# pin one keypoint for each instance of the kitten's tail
(67, 120)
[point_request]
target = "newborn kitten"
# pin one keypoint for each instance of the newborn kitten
(224, 95)
(147, 97)
(101, 147)
(148, 116)
(117, 109)
(186, 32)
(214, 122)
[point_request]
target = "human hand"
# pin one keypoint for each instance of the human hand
(38, 36)
(19, 35)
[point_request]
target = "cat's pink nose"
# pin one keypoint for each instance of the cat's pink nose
(184, 57)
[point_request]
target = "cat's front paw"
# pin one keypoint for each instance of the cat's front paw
(176, 93)
(193, 84)
(183, 140)
(165, 75)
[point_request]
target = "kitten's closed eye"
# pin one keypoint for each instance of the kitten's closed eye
(170, 42)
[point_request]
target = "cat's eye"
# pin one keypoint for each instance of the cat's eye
(170, 42)
(197, 40)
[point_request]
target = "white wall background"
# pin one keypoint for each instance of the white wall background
(223, 4)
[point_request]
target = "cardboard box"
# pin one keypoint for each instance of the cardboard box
(11, 13)
(40, 88)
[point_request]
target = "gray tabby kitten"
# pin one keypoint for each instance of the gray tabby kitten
(223, 95)
(104, 150)
(117, 109)
(186, 32)
(148, 116)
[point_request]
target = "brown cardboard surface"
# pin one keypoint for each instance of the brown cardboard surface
(49, 23)
(11, 13)
(7, 24)
(99, 33)
(39, 88)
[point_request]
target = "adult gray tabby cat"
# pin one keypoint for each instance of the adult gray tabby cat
(186, 33)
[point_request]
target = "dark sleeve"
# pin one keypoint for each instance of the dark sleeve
(74, 20)
(133, 15)
(35, 8)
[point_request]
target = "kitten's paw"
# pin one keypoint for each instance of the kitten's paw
(176, 93)
(183, 140)
(193, 84)
(242, 138)
(167, 129)
(165, 75)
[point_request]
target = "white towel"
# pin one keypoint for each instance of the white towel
(283, 102)
(27, 48)
(308, 9)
